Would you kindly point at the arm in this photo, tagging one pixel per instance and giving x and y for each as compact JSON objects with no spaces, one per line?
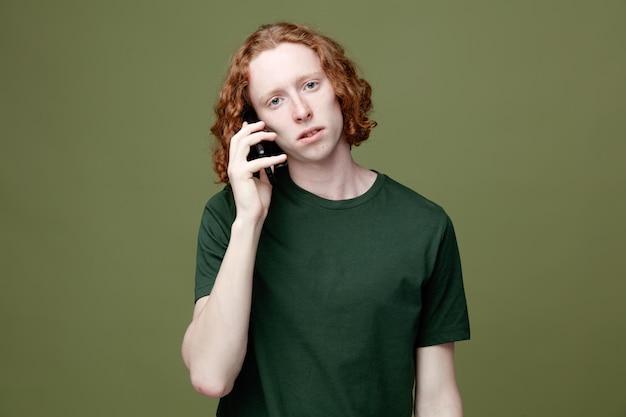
{"x":215,"y":343}
{"x":436,"y":391}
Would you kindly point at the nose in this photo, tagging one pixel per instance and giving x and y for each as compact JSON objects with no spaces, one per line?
{"x":302,"y":112}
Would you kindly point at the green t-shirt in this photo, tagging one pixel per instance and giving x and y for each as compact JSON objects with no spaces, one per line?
{"x":343,"y":293}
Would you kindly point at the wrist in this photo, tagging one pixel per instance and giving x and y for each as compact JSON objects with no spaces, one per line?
{"x":245,"y":224}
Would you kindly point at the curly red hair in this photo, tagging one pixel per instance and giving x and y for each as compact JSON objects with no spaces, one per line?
{"x":352,"y":91}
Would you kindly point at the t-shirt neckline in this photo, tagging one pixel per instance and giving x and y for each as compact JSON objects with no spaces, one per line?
{"x":292,"y":190}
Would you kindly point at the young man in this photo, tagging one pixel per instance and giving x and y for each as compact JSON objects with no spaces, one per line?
{"x":337,"y":291}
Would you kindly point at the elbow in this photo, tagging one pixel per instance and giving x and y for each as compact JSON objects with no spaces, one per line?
{"x":212,"y":375}
{"x":211,"y":387}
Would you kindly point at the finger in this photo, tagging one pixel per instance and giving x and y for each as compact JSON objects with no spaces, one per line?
{"x":241,"y":142}
{"x":248,"y":128}
{"x":260,"y":164}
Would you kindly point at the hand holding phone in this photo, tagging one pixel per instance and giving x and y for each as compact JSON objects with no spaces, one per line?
{"x":263,"y":148}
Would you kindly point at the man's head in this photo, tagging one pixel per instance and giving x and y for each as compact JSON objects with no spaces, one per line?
{"x":352,"y":92}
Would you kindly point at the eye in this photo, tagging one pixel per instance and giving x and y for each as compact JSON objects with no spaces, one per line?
{"x":311,"y":85}
{"x":274,"y":102}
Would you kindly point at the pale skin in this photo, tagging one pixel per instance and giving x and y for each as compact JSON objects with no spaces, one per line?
{"x":295,"y":100}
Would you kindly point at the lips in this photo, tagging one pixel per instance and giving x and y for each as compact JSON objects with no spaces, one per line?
{"x":309,"y":133}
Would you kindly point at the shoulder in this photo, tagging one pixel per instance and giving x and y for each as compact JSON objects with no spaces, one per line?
{"x":220,"y":207}
{"x":413,"y":204}
{"x":221,"y":200}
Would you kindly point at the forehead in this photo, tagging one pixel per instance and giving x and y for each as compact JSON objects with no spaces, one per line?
{"x":282,"y":64}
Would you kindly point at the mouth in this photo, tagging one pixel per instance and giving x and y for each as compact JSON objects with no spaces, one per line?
{"x":309,"y":133}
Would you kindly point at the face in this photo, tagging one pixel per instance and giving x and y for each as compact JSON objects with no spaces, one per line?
{"x":291,"y":94}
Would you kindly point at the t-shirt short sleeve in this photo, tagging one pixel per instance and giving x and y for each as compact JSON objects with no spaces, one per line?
{"x":444,"y":316}
{"x":213,"y":237}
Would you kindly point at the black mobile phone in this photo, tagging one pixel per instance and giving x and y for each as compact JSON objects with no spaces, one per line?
{"x":262,"y":149}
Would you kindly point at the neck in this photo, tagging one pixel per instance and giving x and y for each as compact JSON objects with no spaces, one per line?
{"x":339,"y":179}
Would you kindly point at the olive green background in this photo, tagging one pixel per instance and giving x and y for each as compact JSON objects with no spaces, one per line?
{"x":510,"y":114}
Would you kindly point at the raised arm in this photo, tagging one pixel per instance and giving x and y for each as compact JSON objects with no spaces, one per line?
{"x":436,"y":391}
{"x":214,"y":345}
